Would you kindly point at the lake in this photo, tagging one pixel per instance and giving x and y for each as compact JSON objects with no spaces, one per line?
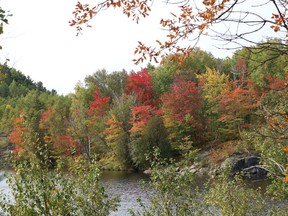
{"x":128,"y":186}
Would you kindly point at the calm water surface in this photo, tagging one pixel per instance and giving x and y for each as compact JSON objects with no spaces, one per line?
{"x":128,"y":186}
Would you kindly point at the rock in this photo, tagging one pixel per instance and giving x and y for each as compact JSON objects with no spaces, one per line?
{"x":250,"y":167}
{"x":147,"y":172}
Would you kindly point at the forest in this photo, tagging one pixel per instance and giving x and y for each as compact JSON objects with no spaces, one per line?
{"x":227,"y":105}
{"x":223,"y":106}
{"x":191,"y":108}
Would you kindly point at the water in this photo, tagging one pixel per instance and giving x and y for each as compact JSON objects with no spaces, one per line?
{"x":128,"y":186}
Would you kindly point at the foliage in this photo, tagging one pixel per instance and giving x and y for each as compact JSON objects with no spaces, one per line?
{"x":117,"y":140}
{"x":109,"y":84}
{"x":173,"y":193}
{"x":38,"y":191}
{"x":213,"y":84}
{"x":263,"y":60}
{"x":236,"y":105}
{"x":232,"y":197}
{"x":117,"y":131}
{"x":78,"y":122}
{"x":222,"y":152}
{"x":140,"y":84}
{"x":270,"y":139}
{"x":186,"y":117}
{"x":145,"y":135}
{"x":55,"y":123}
{"x":172,"y":69}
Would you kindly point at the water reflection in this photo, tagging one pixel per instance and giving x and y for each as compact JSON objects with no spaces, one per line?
{"x":128,"y":186}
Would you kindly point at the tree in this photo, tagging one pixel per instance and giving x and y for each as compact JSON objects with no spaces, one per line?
{"x":172,"y":68}
{"x":237,"y":103}
{"x":213,"y":83}
{"x":187,"y":114}
{"x":270,"y":137}
{"x":117,"y":140}
{"x":140,"y":84}
{"x":78,"y":122}
{"x":110,"y":84}
{"x":262,"y":60}
{"x":223,"y":19}
{"x":27,"y":134}
{"x":55,"y":123}
{"x":17,"y":135}
{"x":118,"y":130}
{"x":148,"y":131}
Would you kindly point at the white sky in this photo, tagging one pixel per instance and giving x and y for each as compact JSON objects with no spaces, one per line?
{"x":40,"y":43}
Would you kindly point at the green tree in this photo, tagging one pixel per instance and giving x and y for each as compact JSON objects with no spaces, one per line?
{"x":268,"y":58}
{"x":78,"y":124}
{"x":148,"y":131}
{"x":4,"y":89}
{"x":110,"y":84}
{"x":118,"y":130}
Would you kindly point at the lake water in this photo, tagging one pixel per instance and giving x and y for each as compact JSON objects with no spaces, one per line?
{"x":128,"y":186}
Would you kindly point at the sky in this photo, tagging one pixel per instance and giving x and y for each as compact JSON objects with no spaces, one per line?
{"x":40,"y":43}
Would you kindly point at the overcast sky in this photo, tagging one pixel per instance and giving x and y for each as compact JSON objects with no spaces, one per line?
{"x":40,"y":43}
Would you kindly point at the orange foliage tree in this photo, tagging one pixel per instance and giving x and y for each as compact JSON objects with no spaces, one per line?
{"x":236,"y":104}
{"x":17,"y":135}
{"x":57,"y":133}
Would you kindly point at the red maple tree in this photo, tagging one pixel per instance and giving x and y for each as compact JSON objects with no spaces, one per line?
{"x":140,"y":84}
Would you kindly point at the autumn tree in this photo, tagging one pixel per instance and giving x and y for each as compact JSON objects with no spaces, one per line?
{"x":147,"y":132}
{"x":140,"y":85}
{"x":55,"y":123}
{"x":17,"y":135}
{"x":118,"y":131}
{"x":78,"y":122}
{"x":213,"y":83}
{"x":182,"y":107}
{"x":270,"y":137}
{"x":234,"y":22}
{"x":236,"y":104}
{"x":172,"y":68}
{"x":96,"y":121}
{"x":262,"y":60}
{"x":31,"y":137}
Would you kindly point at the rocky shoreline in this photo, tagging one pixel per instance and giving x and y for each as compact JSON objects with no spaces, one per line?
{"x":249,"y":166}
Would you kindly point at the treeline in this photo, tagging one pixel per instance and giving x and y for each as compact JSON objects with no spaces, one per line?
{"x":179,"y":106}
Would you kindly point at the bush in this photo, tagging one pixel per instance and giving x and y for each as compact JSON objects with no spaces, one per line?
{"x":38,"y":191}
{"x":174,"y":193}
{"x":228,"y":197}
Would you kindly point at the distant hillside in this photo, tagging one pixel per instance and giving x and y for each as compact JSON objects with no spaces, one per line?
{"x":13,"y":83}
